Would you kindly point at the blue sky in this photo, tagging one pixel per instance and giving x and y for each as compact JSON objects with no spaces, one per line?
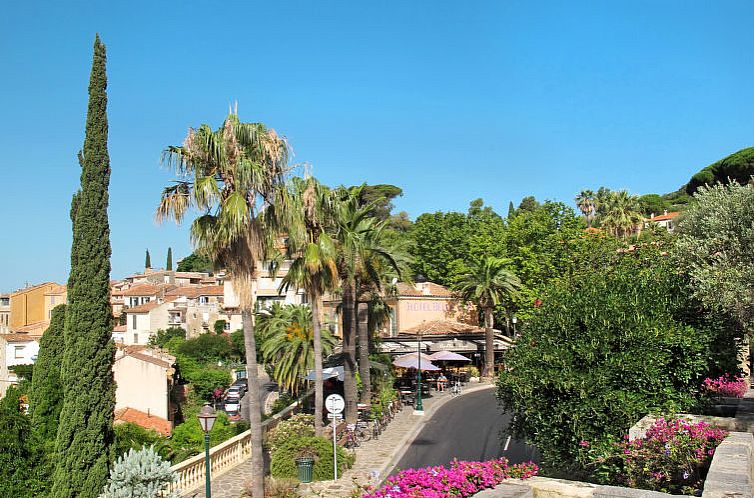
{"x":449,"y":100}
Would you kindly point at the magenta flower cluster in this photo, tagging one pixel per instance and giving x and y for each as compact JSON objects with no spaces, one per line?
{"x":461,"y":479}
{"x":726,"y":386}
{"x":672,"y":457}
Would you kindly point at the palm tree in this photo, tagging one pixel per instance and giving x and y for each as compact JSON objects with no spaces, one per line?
{"x":380,"y":260}
{"x":621,"y":214}
{"x":586,"y":203}
{"x":235,"y":176}
{"x":313,"y":269}
{"x":487,"y":284}
{"x":286,"y":341}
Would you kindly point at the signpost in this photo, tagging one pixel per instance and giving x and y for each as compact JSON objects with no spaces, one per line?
{"x":334,"y":405}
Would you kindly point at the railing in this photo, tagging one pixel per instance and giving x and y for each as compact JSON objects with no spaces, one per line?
{"x":223,"y":457}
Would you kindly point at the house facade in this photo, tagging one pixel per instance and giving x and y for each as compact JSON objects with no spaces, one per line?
{"x":144,"y":379}
{"x":665,"y":220}
{"x":4,"y":313}
{"x":31,"y":305}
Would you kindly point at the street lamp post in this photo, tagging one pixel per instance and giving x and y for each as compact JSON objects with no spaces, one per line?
{"x":514,"y":325}
{"x":419,"y":408}
{"x":207,"y":417}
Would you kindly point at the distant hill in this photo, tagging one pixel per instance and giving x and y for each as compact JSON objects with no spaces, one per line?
{"x":738,"y":167}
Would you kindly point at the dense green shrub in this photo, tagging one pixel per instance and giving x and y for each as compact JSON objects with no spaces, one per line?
{"x":607,"y":346}
{"x":206,"y":348}
{"x":131,"y":436}
{"x":188,"y":438}
{"x":299,"y":425}
{"x":283,"y":464}
{"x":161,"y":338}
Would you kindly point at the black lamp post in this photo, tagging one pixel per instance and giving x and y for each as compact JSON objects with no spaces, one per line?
{"x":419,"y":406}
{"x":207,"y":417}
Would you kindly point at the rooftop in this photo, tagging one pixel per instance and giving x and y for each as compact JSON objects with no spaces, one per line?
{"x":423,"y":289}
{"x":443,"y":327}
{"x":144,"y":420}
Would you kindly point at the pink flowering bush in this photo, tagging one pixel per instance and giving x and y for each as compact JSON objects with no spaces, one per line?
{"x":461,"y":479}
{"x":673,"y":457}
{"x":726,"y":386}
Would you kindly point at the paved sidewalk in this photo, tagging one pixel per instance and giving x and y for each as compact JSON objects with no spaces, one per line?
{"x":374,"y":459}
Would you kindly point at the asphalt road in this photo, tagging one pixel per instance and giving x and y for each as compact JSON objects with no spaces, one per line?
{"x":467,"y":428}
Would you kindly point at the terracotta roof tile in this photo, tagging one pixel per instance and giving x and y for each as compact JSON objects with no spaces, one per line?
{"x":193,"y":292}
{"x":443,"y":327}
{"x":145,"y":420}
{"x":36,"y":328}
{"x":148,"y":289}
{"x":417,"y":290}
{"x":147,"y":307}
{"x":27,"y":289}
{"x":666,"y":216}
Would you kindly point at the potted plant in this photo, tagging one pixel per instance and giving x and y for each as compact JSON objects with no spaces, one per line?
{"x":305,"y":457}
{"x":473,"y":373}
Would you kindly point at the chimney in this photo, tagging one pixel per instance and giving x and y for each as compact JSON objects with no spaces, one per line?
{"x":666,"y":212}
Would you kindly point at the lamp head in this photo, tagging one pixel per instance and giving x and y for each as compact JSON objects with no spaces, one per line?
{"x":207,"y":417}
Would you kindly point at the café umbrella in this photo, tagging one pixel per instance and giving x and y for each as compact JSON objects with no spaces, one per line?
{"x":447,"y":356}
{"x":412,"y":361}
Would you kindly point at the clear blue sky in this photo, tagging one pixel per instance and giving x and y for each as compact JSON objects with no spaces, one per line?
{"x":449,"y":100}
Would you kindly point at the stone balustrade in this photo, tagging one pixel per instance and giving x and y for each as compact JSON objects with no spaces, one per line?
{"x":223,"y":457}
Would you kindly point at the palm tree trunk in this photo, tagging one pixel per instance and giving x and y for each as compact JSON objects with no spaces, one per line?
{"x":363,"y":334}
{"x":319,"y":391}
{"x":255,"y":408}
{"x":489,"y":345}
{"x":349,"y":354}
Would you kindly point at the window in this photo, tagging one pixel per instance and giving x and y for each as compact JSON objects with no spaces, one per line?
{"x":18,"y":352}
{"x":52,"y":300}
{"x":203,"y":300}
{"x":136,"y":338}
{"x":133,"y":322}
{"x":227,"y":325}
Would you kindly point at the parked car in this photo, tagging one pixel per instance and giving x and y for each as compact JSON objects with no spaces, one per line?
{"x":242,"y":383}
{"x":233,"y":409}
{"x":235,"y":391}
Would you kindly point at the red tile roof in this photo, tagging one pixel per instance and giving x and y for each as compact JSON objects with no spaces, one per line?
{"x":443,"y":327}
{"x":192,"y":292}
{"x":147,"y":355}
{"x":666,"y":216}
{"x":148,"y":421}
{"x":21,"y":337}
{"x":147,"y":307}
{"x":147,"y":289}
{"x":432,"y":289}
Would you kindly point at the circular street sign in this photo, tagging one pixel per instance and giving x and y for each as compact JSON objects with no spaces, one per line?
{"x":335,"y":403}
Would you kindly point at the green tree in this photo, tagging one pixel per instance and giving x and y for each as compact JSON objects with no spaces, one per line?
{"x":85,"y":432}
{"x":587,"y":205}
{"x":169,"y":262}
{"x":219,"y":326}
{"x":487,"y":285}
{"x":46,"y":397}
{"x":235,"y":176}
{"x":206,"y":348}
{"x":18,"y":460}
{"x":609,"y":344}
{"x":378,"y":198}
{"x":650,"y":204}
{"x":161,"y":338}
{"x":528,"y":203}
{"x":147,"y":260}
{"x":286,"y":342}
{"x":511,"y":210}
{"x":715,"y":246}
{"x":314,"y":269}
{"x":195,"y":262}
{"x":737,"y":167}
{"x":619,"y":214}
{"x":539,"y":243}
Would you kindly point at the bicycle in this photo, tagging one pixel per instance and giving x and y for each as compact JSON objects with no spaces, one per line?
{"x":455,"y":390}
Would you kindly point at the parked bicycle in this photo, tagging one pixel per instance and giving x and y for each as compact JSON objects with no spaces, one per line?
{"x":455,"y":390}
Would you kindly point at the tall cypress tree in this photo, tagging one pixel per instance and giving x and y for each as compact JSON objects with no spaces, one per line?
{"x":85,"y":432}
{"x":169,"y":264}
{"x":148,"y":260}
{"x":46,"y":396}
{"x":511,"y":210}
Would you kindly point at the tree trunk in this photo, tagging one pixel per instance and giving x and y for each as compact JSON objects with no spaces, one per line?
{"x":363,"y":333}
{"x":255,"y":408}
{"x":489,"y":345}
{"x":349,"y":354}
{"x":319,"y":392}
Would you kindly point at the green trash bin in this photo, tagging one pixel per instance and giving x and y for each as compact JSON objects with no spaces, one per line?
{"x":305,"y":466}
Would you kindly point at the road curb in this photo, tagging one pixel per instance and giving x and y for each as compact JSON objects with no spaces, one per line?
{"x":409,"y":438}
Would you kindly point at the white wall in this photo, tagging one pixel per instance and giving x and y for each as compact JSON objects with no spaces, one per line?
{"x":21,"y":353}
{"x":141,"y":385}
{"x":4,"y":382}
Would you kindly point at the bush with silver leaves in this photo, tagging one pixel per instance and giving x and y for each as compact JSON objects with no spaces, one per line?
{"x":140,"y":474}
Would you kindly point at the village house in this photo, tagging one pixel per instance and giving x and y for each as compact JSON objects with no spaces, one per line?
{"x":665,"y":220}
{"x":144,"y":379}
